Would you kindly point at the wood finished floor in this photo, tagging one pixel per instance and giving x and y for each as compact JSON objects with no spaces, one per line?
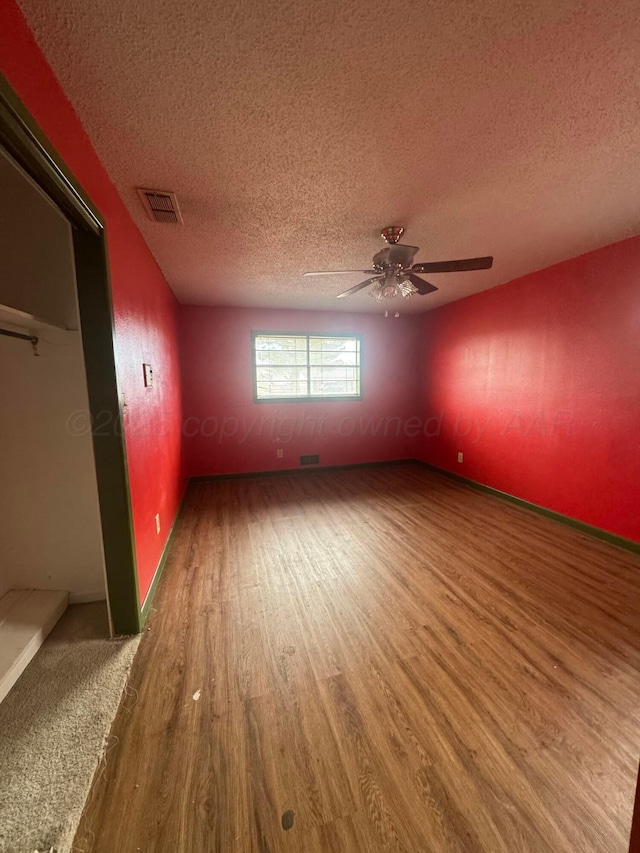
{"x":403,"y":662}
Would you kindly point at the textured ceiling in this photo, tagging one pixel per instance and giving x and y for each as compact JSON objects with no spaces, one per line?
{"x":293,"y":130}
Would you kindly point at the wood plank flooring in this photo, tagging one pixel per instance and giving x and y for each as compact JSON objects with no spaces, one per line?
{"x":402,"y":662}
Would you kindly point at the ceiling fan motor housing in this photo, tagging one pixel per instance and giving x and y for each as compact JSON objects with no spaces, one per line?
{"x":395,"y":256}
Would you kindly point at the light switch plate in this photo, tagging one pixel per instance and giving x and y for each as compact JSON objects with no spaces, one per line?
{"x":148,"y":375}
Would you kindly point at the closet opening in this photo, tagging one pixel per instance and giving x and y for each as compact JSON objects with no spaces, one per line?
{"x":65,"y":516}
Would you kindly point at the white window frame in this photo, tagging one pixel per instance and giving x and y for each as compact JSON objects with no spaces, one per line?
{"x":308,"y":397}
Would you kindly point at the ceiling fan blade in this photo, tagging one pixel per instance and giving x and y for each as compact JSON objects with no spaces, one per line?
{"x":340,"y":272}
{"x":423,"y":287}
{"x":358,"y":287}
{"x":462,"y":265}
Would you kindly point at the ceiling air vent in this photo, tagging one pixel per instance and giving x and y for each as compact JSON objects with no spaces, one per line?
{"x":161,"y":206}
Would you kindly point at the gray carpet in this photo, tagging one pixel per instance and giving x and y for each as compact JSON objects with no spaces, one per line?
{"x":53,"y":729}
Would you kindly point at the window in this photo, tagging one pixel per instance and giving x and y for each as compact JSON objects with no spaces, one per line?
{"x":306,"y":367}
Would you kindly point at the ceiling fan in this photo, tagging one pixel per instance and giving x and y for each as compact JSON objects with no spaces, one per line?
{"x":393,"y":272}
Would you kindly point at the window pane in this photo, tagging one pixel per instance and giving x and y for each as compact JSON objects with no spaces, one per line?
{"x":286,"y":389}
{"x":280,"y":343}
{"x":333,"y":358}
{"x":279,"y":374}
{"x":286,"y":357}
{"x":282,"y":389}
{"x":319,"y":373}
{"x":333,"y":344}
{"x":334,"y":373}
{"x":334,"y":389}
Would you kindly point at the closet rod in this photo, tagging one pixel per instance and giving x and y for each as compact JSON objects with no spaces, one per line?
{"x":31,"y":338}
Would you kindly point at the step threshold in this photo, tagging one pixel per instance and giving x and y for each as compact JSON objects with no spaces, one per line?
{"x":26,"y":618}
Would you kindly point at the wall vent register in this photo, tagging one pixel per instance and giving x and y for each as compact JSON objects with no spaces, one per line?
{"x":310,"y":460}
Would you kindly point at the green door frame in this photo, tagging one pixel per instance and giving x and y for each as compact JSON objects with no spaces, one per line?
{"x":27,"y":144}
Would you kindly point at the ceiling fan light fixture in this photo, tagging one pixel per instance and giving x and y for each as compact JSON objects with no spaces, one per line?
{"x":383,"y":290}
{"x":406,"y":288}
{"x":390,"y":290}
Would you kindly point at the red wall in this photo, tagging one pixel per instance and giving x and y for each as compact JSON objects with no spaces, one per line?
{"x":226,"y":432}
{"x":145,"y":309}
{"x":634,"y":843}
{"x":537,"y":383}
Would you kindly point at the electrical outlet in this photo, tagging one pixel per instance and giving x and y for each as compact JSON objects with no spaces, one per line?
{"x":158,"y":523}
{"x":147,"y":372}
{"x":279,"y":453}
{"x":460,"y":456}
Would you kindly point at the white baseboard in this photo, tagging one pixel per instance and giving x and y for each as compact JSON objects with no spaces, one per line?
{"x":86,"y":597}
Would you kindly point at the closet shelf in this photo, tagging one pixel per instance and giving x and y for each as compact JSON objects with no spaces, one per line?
{"x":24,"y":320}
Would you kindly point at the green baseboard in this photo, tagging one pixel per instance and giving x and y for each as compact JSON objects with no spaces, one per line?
{"x":157,"y":575}
{"x":583,"y":527}
{"x":307,"y":469}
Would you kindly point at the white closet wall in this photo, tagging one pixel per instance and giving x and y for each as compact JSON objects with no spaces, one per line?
{"x":49,"y":522}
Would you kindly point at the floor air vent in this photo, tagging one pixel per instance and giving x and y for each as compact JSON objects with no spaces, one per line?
{"x":310,"y":460}
{"x":161,"y":206}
